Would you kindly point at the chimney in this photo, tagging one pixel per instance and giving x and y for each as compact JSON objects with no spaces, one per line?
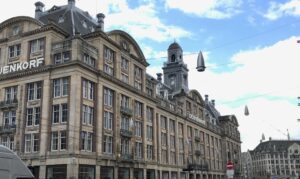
{"x":213,"y":102}
{"x":100,"y":20}
{"x":270,"y":138}
{"x":38,"y":9}
{"x":159,"y":76}
{"x":206,"y":97}
{"x":71,"y":2}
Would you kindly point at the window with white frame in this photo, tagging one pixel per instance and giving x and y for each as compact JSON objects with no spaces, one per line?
{"x":87,"y":115}
{"x":88,"y":59}
{"x":125,"y":146}
{"x":107,"y":144}
{"x":88,"y":89}
{"x":172,"y":157}
{"x":172,"y":142}
{"x":149,"y":112}
{"x":108,"y":120}
{"x":138,"y":109}
{"x":138,"y":76}
{"x":32,"y":143}
{"x":181,"y":159}
{"x":9,"y":118}
{"x":8,"y":141}
{"x":150,"y":152}
{"x":108,"y":97}
{"x":14,"y":51}
{"x":62,"y":57}
{"x":59,"y":113}
{"x":149,"y":133}
{"x":11,"y":93}
{"x":181,"y":143}
{"x":124,"y":78}
{"x":124,"y":64}
{"x":60,"y":87}
{"x":109,"y":59}
{"x":138,"y":128}
{"x":172,"y":126}
{"x":125,"y":122}
{"x":138,"y":150}
{"x":86,"y":141}
{"x":33,"y":116}
{"x":58,"y":141}
{"x":37,"y":45}
{"x":34,"y":91}
{"x":164,"y":156}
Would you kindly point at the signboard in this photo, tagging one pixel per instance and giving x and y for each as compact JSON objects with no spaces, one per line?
{"x":21,"y":66}
{"x":229,"y":165}
{"x":195,"y":118}
{"x":230,"y":169}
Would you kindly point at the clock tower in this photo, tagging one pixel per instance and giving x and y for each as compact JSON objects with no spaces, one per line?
{"x":175,"y":71}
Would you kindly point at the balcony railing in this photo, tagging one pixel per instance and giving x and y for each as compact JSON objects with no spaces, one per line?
{"x":127,"y":157}
{"x":195,"y":167}
{"x":7,"y":129}
{"x":9,"y":103}
{"x":126,"y":110}
{"x":197,"y":138}
{"x":197,"y":152}
{"x":126,"y":133}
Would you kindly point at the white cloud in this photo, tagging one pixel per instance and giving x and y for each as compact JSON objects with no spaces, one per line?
{"x":214,"y":9}
{"x":270,"y":74}
{"x":278,"y":10}
{"x":141,"y":22}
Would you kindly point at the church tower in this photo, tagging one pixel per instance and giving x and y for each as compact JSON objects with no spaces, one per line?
{"x":175,"y":70}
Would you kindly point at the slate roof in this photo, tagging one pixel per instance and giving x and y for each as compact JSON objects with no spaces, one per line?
{"x":275,"y":146}
{"x":70,"y":18}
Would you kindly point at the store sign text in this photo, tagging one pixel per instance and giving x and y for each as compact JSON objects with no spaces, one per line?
{"x":21,"y":66}
{"x":195,"y":118}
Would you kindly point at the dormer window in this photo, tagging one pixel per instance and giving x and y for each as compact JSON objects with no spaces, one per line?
{"x":173,"y":58}
{"x":84,"y":24}
{"x":15,"y":30}
{"x":61,"y":19}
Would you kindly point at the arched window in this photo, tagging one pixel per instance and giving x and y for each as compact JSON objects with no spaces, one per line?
{"x":173,"y":58}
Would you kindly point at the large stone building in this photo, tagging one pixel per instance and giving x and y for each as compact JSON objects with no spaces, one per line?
{"x":77,"y":103}
{"x":274,"y":159}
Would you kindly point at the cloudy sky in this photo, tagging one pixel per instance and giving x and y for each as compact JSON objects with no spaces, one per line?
{"x":250,"y":49}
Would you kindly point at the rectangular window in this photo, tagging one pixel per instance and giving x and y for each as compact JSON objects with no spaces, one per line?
{"x":59,"y":113}
{"x":8,"y":141}
{"x":86,"y":141}
{"x":180,"y":129}
{"x":149,"y":114}
{"x":32,"y":143}
{"x":37,"y":45}
{"x":87,"y":172}
{"x":138,"y":128}
{"x":34,"y":91}
{"x":58,"y":141}
{"x":11,"y":93}
{"x":62,"y":57}
{"x":88,"y":89}
{"x":164,"y":139}
{"x":163,"y":122}
{"x":181,"y":143}
{"x":138,"y":150}
{"x":33,"y":116}
{"x":172,"y":142}
{"x":108,"y":120}
{"x":149,"y":152}
{"x":109,"y":60}
{"x":181,"y":159}
{"x":125,"y":122}
{"x":164,"y":156}
{"x":172,"y":126}
{"x":108,"y":97}
{"x":125,"y":146}
{"x":9,"y":118}
{"x":87,"y":115}
{"x":125,"y":101}
{"x":149,"y":133}
{"x":172,"y":158}
{"x":89,"y":60}
{"x":60,"y":87}
{"x":138,"y":109}
{"x":138,"y":76}
{"x":14,"y":50}
{"x":124,"y":64}
{"x":124,"y":78}
{"x":107,"y":144}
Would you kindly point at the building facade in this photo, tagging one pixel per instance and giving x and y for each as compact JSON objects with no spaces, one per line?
{"x":276,"y":159}
{"x":76,"y":102}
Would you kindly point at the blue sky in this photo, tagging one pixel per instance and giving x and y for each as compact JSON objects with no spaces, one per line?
{"x":250,"y":49}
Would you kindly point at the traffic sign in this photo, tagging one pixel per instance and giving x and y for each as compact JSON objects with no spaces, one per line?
{"x":229,"y":165}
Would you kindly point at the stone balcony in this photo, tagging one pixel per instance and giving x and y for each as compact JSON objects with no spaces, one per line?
{"x":9,"y":104}
{"x":126,"y":133}
{"x":197,"y":152}
{"x":126,"y":110}
{"x":8,"y":129}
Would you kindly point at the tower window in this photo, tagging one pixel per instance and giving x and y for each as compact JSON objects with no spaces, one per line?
{"x":173,"y":59}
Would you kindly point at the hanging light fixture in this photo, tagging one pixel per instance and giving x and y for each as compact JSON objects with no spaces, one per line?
{"x":246,"y":112}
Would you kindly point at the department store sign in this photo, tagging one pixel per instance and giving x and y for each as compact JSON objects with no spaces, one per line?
{"x":34,"y":63}
{"x":195,"y":118}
